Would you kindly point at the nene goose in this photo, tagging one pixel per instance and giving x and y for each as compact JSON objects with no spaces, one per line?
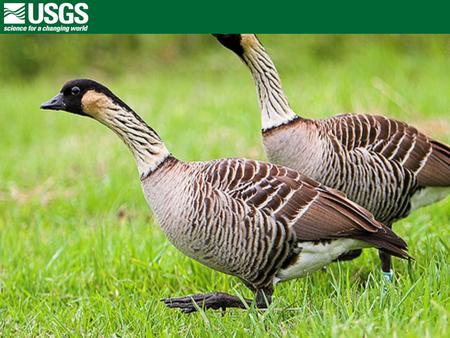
{"x":386,"y":166}
{"x":261,"y":222}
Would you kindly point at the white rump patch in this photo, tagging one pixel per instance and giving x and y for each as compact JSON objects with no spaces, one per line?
{"x":315,"y":256}
{"x":428,"y":196}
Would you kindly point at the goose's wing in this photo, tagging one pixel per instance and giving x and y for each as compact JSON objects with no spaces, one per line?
{"x":311,"y":210}
{"x":396,"y":141}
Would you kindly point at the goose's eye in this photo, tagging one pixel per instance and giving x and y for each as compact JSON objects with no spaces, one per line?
{"x":75,"y":90}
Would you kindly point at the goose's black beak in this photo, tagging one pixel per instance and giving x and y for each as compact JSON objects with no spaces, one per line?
{"x":56,"y":103}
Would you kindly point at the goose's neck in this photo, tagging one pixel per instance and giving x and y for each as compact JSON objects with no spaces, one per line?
{"x":275,"y":109}
{"x":145,"y":144}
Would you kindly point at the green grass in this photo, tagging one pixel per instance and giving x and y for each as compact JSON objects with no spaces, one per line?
{"x":80,"y":253}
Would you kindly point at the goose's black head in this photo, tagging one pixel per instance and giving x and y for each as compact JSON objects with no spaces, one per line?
{"x":84,"y":97}
{"x":238,"y":43}
{"x":231,"y":41}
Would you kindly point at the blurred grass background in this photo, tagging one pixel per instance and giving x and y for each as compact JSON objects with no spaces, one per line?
{"x":79,"y":251}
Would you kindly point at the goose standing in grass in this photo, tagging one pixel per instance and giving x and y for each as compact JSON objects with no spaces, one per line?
{"x":258,"y":221}
{"x":386,"y":166}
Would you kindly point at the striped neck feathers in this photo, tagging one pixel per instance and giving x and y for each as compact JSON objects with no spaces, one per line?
{"x":145,"y":144}
{"x":275,"y":109}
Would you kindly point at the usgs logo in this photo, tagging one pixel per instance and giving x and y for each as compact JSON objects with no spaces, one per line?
{"x":45,"y":13}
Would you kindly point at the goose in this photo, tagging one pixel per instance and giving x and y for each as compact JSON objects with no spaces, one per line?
{"x":384,"y":165}
{"x":261,"y":222}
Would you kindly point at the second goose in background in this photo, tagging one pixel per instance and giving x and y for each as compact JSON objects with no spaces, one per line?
{"x":260,"y":222}
{"x":386,"y":166}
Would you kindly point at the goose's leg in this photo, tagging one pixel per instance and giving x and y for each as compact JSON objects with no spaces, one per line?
{"x":386,"y":266}
{"x":264,"y":298}
{"x":216,"y":300}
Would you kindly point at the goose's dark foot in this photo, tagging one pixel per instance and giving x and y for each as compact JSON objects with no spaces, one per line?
{"x":213,"y":300}
{"x":349,"y":255}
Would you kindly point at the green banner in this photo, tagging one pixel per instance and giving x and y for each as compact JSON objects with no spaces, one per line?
{"x":125,"y":17}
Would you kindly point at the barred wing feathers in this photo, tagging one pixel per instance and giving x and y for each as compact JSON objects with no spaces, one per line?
{"x":396,"y":141}
{"x":311,"y":210}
